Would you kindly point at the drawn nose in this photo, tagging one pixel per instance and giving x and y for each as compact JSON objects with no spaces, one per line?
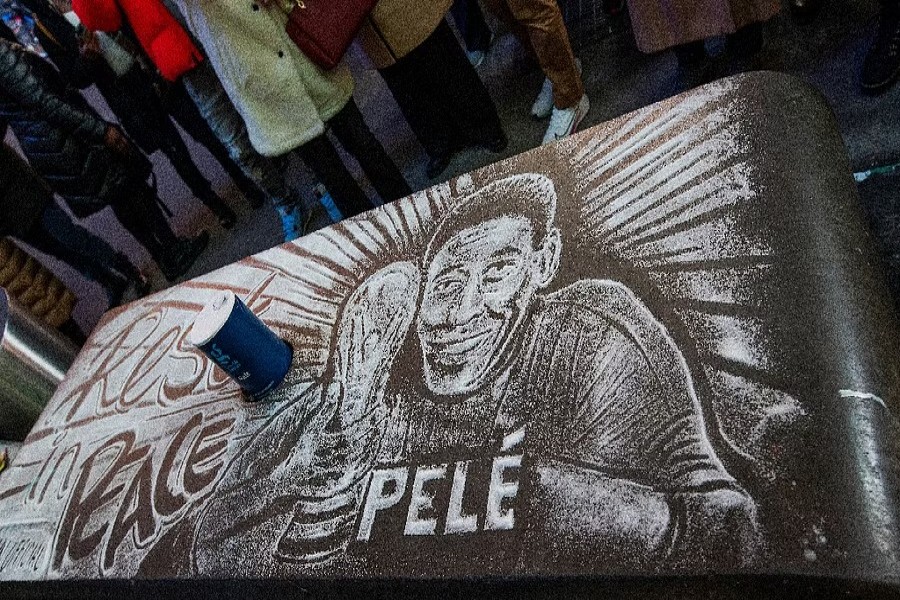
{"x":470,"y":304}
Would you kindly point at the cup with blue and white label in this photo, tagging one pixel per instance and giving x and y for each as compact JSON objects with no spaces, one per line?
{"x":242,"y":345}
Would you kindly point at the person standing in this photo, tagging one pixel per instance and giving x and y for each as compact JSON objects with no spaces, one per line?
{"x":540,"y":27}
{"x":435,"y":85}
{"x":85,"y":59}
{"x":61,"y":40}
{"x":287,"y":102}
{"x":133,"y":98}
{"x":881,"y":67}
{"x":474,"y":30}
{"x":299,"y":214}
{"x":29,"y":212}
{"x":683,"y":25}
{"x":87,"y":161}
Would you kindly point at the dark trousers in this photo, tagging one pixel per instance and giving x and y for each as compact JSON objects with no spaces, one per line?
{"x":134,"y":101}
{"x":471,"y":24}
{"x":137,"y":209}
{"x":442,"y":97}
{"x":357,"y":139}
{"x":185,"y":112}
{"x":56,"y":234}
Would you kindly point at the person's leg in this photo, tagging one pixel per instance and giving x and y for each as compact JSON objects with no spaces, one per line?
{"x":356,"y":137}
{"x":694,"y":66}
{"x":470,"y":109}
{"x":173,"y":146}
{"x":500,"y":9}
{"x":422,"y":109}
{"x":746,"y":41}
{"x":57,"y":235}
{"x":182,"y":108}
{"x":320,"y":156}
{"x":139,"y":212}
{"x":300,"y":214}
{"x":471,"y":24}
{"x":158,"y":127}
{"x":213,"y":103}
{"x":61,"y":225}
{"x":549,"y":38}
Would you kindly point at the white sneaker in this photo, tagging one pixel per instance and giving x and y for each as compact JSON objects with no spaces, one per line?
{"x":564,"y":122}
{"x":543,"y":104}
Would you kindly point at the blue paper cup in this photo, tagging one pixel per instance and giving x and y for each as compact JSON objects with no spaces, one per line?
{"x":241,"y":345}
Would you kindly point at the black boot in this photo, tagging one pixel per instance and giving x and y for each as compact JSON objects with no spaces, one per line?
{"x":134,"y":275}
{"x":183,"y":255}
{"x":73,"y":331}
{"x":437,"y":165}
{"x":145,"y":221}
{"x":114,"y":284}
{"x":497,"y":144}
{"x":882,"y":64}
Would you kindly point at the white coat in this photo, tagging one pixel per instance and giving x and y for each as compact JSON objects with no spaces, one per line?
{"x":282,"y":96}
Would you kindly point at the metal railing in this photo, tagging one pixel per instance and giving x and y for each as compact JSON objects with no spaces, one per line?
{"x":33,"y":361}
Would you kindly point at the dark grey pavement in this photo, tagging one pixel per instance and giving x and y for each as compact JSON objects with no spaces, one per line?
{"x":827,"y":53}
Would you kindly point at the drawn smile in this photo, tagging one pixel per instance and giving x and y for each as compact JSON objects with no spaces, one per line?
{"x":457,"y":343}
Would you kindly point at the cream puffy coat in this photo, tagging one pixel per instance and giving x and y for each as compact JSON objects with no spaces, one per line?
{"x":282,"y":96}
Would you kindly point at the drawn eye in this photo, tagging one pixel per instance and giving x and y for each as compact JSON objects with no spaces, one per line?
{"x":499,"y":270}
{"x":446,"y":285}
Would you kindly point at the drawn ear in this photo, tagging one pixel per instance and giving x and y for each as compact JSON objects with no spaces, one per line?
{"x":548,"y":257}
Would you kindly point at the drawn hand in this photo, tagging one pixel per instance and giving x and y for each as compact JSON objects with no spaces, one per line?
{"x":376,"y":320}
{"x":339,"y":442}
{"x":328,"y":471}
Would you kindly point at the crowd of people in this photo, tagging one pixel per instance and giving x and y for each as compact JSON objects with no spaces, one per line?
{"x":228,"y":73}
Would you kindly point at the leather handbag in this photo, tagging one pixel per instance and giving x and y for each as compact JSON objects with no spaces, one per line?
{"x":324,"y":29}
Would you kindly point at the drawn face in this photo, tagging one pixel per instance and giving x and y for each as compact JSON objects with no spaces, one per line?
{"x":480,"y":285}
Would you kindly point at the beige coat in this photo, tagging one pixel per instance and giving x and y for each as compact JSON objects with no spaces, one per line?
{"x":283,"y":97}
{"x":661,"y":24}
{"x":397,"y":27}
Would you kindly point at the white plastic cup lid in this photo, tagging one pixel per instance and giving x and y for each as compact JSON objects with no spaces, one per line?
{"x":211,"y":319}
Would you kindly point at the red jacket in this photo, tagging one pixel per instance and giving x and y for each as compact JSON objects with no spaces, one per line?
{"x":164,"y":39}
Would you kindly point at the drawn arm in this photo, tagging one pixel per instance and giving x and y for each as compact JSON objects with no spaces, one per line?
{"x":586,"y":515}
{"x":299,"y":500}
{"x":631,"y":469}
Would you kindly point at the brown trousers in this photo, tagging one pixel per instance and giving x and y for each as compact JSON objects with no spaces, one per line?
{"x":539,"y":25}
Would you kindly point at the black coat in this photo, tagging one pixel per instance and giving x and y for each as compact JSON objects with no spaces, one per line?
{"x":23,"y":196}
{"x":60,"y":134}
{"x":61,"y":43}
{"x":132,"y":97}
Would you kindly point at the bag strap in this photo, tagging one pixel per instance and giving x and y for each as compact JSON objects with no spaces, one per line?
{"x":288,"y":6}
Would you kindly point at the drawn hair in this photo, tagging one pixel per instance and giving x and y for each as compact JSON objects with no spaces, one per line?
{"x":531,"y":196}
